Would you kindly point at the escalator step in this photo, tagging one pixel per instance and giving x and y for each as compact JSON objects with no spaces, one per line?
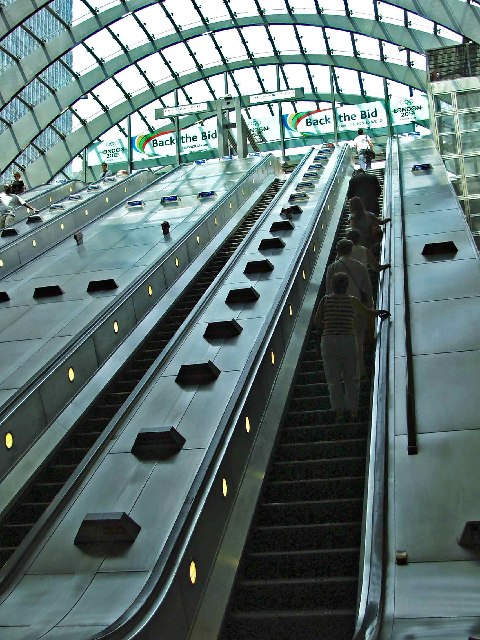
{"x":296,"y":593}
{"x":321,"y":450}
{"x":315,"y":433}
{"x":305,"y":469}
{"x":315,"y":624}
{"x":313,"y":563}
{"x":314,"y":489}
{"x":310,"y":512}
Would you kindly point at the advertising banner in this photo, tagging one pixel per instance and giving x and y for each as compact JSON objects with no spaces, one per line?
{"x":406,"y":110}
{"x":368,"y":115}
{"x":113,"y":150}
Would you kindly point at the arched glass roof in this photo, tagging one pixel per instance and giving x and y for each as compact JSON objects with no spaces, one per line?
{"x":72,"y":69}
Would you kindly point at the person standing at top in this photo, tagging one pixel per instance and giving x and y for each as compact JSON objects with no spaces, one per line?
{"x":366,"y":187}
{"x":18,"y":186}
{"x":7,"y":202}
{"x":362,"y":143}
{"x":106,"y":173}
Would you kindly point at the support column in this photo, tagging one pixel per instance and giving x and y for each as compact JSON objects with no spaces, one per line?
{"x":280,"y":119}
{"x":129,"y":145}
{"x":221,"y":131}
{"x":242,"y":140}
{"x":334,"y":111}
{"x":178,"y":139}
{"x":387,"y":108}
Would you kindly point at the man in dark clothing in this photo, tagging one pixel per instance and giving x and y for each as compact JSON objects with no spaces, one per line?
{"x":367,"y":187}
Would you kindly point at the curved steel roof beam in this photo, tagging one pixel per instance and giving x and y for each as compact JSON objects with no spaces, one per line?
{"x":16,"y":76}
{"x":457,"y":16}
{"x":63,"y":152}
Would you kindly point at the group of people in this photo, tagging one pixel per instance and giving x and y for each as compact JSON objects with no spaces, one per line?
{"x":10,"y":198}
{"x":344,"y":312}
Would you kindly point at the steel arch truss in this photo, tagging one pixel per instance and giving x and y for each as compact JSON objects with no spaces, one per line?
{"x":462,"y":18}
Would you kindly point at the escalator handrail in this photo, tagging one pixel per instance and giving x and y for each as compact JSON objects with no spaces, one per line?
{"x":124,"y":627}
{"x":372,"y":551}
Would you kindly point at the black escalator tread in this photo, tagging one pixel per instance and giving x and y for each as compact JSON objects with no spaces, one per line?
{"x":298,"y":576}
{"x":50,"y":480}
{"x":316,"y":624}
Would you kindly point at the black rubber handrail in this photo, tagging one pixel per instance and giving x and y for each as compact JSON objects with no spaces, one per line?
{"x":412,"y":445}
{"x":370,"y":605}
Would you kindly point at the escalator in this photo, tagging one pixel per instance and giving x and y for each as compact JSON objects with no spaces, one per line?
{"x":299,"y":573}
{"x":22,"y":516}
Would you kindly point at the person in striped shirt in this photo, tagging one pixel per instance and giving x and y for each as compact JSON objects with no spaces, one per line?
{"x":335,"y":317}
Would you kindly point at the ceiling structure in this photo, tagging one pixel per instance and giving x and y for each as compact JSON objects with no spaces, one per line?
{"x":122,"y":57}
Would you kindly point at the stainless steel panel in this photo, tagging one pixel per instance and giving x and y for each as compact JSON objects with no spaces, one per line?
{"x":57,"y":391}
{"x":425,"y":589}
{"x":438,"y":628}
{"x":429,"y":526}
{"x":156,"y":510}
{"x":171,"y":270}
{"x":461,"y":239}
{"x":452,"y":325}
{"x":106,"y":598}
{"x":71,"y":633}
{"x":114,"y":486}
{"x":441,"y":280}
{"x":42,"y":600}
{"x":445,"y":403}
{"x":25,"y":424}
{"x":418,"y":224}
{"x":36,"y":356}
{"x":106,"y":339}
{"x":200,"y":421}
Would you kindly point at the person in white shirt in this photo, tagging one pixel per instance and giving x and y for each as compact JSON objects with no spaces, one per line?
{"x":8,"y":201}
{"x":361,"y":143}
{"x":106,"y":173}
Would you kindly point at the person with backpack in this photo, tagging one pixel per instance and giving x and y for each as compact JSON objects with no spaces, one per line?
{"x":364,"y":147}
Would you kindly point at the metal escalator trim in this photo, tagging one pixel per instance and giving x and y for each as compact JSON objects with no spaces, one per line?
{"x":172,"y":555}
{"x":69,"y":484}
{"x":65,"y":214}
{"x":370,"y":605}
{"x":67,"y":351}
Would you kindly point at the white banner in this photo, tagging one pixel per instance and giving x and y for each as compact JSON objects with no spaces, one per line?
{"x":406,"y":110}
{"x":113,"y":150}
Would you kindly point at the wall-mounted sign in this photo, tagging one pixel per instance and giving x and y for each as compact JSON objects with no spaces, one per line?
{"x":405,"y":110}
{"x":182,"y":110}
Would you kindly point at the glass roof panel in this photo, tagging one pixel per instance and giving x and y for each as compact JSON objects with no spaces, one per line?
{"x":155,"y":68}
{"x":231,"y":44}
{"x":417,"y":22}
{"x":348,"y":81}
{"x":247,"y":80}
{"x":257,"y":40}
{"x":129,"y":31}
{"x":278,"y":6}
{"x":268,"y":73}
{"x":153,"y":17}
{"x":213,"y":9}
{"x":312,"y":39}
{"x":367,"y":47}
{"x":394,"y":53}
{"x":303,"y":6}
{"x":104,"y":45}
{"x":297,"y":76}
{"x":179,"y":58}
{"x":199,"y":92}
{"x":183,"y":13}
{"x":83,"y":60}
{"x":333,"y":6}
{"x":205,"y":51}
{"x":340,"y":41}
{"x":321,"y":78}
{"x":242,"y":7}
{"x":362,"y":10}
{"x":131,"y":80}
{"x":285,"y":39}
{"x":109,"y":92}
{"x":373,"y":85}
{"x":389,"y":13}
